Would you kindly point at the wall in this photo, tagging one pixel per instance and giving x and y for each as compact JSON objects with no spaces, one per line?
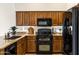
{"x":40,"y":6}
{"x":43,"y":6}
{"x":7,"y":17}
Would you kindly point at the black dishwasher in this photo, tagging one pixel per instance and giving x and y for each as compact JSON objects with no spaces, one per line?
{"x":11,"y":50}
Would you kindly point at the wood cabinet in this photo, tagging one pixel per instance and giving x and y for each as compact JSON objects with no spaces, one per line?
{"x":26,"y":18}
{"x":2,"y":52}
{"x":29,"y":18}
{"x":19,"y":18}
{"x":60,"y":18}
{"x":57,"y":44}
{"x":21,"y":46}
{"x":43,"y":14}
{"x":31,"y":44}
{"x":54,"y":16}
{"x":33,"y":18}
{"x":57,"y":18}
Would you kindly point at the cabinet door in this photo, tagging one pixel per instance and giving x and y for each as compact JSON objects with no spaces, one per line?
{"x":19,"y":18}
{"x":33,"y":18}
{"x":57,"y":44}
{"x":40,"y":14}
{"x":2,"y":51}
{"x":47,"y":14}
{"x":19,"y":50}
{"x":31,"y":44}
{"x":60,"y":18}
{"x":26,"y":18}
{"x":54,"y":16}
{"x":21,"y":46}
{"x":43,"y":14}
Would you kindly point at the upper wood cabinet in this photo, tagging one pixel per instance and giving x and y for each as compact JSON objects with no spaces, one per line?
{"x":19,"y":18}
{"x":29,"y":18}
{"x":43,"y":14}
{"x":57,"y":18}
{"x":26,"y":18}
{"x":33,"y":18}
{"x":54,"y":16}
{"x":60,"y":18}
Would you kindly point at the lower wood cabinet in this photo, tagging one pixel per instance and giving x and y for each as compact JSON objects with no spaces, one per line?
{"x":27,"y":45}
{"x":21,"y":46}
{"x":2,"y":52}
{"x":31,"y":44}
{"x":58,"y":44}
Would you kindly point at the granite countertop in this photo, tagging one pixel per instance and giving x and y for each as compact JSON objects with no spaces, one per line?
{"x":6,"y":42}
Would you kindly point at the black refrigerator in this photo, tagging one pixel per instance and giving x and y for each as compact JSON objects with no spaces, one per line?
{"x":75,"y":32}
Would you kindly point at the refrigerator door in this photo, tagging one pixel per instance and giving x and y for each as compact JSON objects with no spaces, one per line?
{"x":67,"y":37}
{"x":75,"y":32}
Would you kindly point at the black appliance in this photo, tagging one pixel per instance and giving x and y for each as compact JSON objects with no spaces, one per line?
{"x":44,"y":22}
{"x":11,"y":50}
{"x":67,"y":37}
{"x":75,"y":24}
{"x":44,"y":41}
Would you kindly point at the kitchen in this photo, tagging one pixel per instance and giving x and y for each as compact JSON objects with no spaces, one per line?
{"x":35,"y":30}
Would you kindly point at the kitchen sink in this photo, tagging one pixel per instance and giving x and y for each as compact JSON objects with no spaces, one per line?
{"x":14,"y":37}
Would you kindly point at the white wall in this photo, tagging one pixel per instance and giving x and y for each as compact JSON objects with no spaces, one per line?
{"x":7,"y":17}
{"x":43,"y":6}
{"x":40,"y":6}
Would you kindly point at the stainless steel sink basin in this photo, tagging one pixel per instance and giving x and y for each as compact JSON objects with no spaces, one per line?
{"x":14,"y":37}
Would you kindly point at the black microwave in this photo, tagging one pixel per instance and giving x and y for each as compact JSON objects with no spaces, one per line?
{"x":44,"y":22}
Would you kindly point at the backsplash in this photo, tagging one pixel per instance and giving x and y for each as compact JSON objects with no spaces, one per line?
{"x":55,"y":29}
{"x":25,"y":28}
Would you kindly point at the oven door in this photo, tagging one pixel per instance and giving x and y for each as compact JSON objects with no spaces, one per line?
{"x":44,"y":47}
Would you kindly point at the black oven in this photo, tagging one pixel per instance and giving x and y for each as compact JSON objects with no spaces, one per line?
{"x":44,"y":41}
{"x":44,"y":22}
